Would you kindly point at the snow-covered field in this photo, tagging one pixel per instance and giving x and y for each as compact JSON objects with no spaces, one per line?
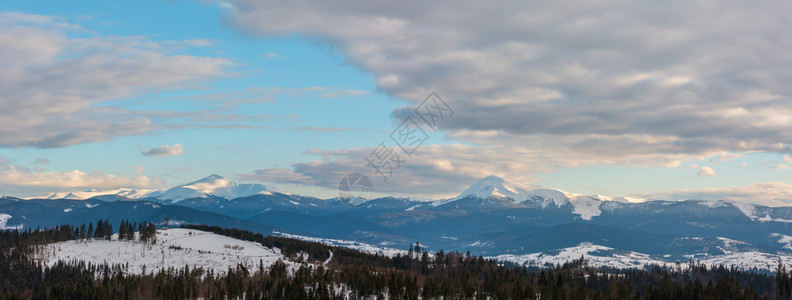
{"x":602,"y":256}
{"x":748,"y":260}
{"x":175,"y":247}
{"x":595,"y":256}
{"x":362,"y":247}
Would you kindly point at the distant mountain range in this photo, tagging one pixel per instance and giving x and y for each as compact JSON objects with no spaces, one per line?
{"x":213,"y":186}
{"x":493,"y":217}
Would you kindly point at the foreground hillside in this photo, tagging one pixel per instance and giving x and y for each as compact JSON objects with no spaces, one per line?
{"x":174,"y":248}
{"x":323,"y":272}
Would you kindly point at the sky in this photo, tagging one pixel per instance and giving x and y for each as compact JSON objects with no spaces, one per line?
{"x":674,"y":100}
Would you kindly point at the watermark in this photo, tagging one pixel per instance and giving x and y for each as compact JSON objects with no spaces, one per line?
{"x":355,"y":188}
{"x":385,"y":159}
{"x":434,"y":110}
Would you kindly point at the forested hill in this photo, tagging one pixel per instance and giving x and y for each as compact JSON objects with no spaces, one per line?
{"x":316,"y":271}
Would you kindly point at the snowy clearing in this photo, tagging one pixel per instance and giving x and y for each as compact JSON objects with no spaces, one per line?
{"x":362,"y":247}
{"x":602,"y":256}
{"x":174,"y":248}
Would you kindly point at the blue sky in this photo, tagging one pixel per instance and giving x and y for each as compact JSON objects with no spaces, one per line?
{"x":297,"y":95}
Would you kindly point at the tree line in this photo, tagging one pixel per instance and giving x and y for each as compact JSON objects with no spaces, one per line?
{"x":417,"y":274}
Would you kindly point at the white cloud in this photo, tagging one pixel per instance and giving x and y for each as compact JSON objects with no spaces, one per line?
{"x":271,"y":55}
{"x":165,"y":150}
{"x":707,"y":171}
{"x":53,"y":81}
{"x":693,"y":166}
{"x":41,"y":160}
{"x":23,"y":180}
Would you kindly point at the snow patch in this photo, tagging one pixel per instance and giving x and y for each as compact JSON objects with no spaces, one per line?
{"x":586,"y":207}
{"x":354,"y":245}
{"x":714,"y":204}
{"x":4,"y":222}
{"x":767,"y":218}
{"x":411,"y":208}
{"x":783,"y":239}
{"x":749,"y":210}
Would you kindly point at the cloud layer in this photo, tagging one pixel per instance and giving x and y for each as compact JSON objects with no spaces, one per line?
{"x":53,"y":82}
{"x":610,"y":78}
{"x":19,"y":179}
{"x":538,"y":85}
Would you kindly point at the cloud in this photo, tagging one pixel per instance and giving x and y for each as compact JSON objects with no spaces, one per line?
{"x":54,"y":83}
{"x":165,"y":150}
{"x":281,"y":175}
{"x":26,"y":181}
{"x":323,"y":129}
{"x":271,"y":55}
{"x":433,"y":171}
{"x":693,"y":166}
{"x":344,"y":93}
{"x":560,"y":77}
{"x":766,"y":193}
{"x":42,"y":161}
{"x":707,"y":171}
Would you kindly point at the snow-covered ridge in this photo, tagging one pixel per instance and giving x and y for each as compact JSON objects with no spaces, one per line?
{"x":174,"y":248}
{"x":82,"y":195}
{"x":211,"y":186}
{"x":602,"y":256}
{"x":496,"y":187}
{"x":595,"y":255}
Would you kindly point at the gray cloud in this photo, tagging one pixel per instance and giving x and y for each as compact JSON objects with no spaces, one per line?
{"x":435,"y":170}
{"x":165,"y":150}
{"x":52,"y":82}
{"x":689,"y":78}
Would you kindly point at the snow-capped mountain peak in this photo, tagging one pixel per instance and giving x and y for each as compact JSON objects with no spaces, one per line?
{"x":213,"y":186}
{"x":494,"y":186}
{"x":497,"y":187}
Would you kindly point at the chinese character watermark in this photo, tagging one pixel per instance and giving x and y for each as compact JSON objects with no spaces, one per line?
{"x":383,"y":160}
{"x":355,"y":188}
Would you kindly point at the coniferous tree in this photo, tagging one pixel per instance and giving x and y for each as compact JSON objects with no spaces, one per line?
{"x":90,"y":233}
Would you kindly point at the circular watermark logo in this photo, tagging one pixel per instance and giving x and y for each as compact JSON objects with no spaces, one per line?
{"x":355,"y":189}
